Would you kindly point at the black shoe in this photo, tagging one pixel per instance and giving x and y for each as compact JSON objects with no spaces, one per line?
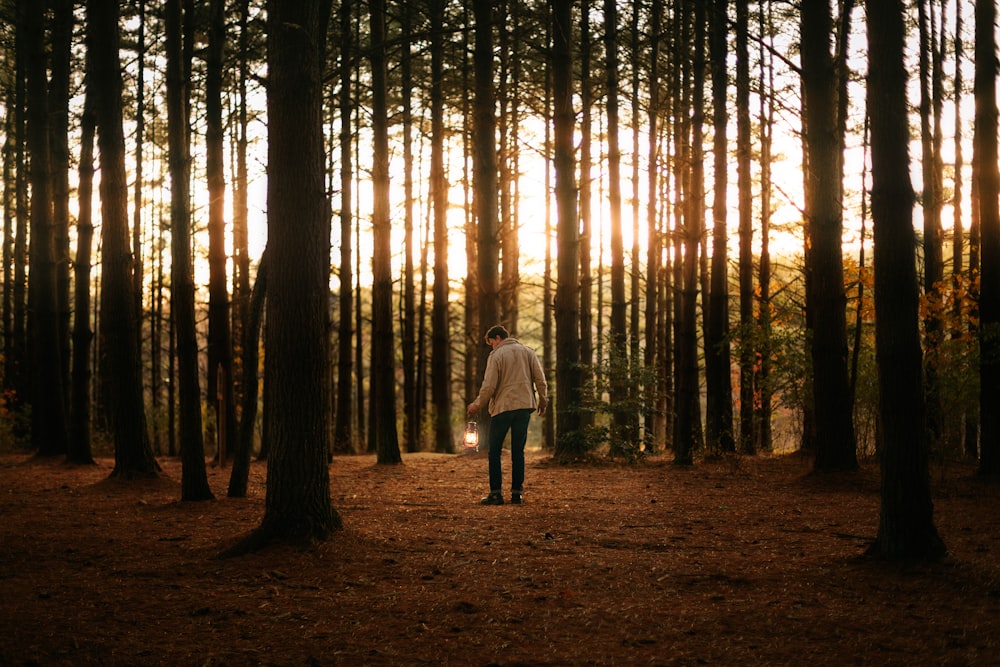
{"x":515,"y":499}
{"x":493,"y":499}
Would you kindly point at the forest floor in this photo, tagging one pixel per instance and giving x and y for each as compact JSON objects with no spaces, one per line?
{"x":737,"y":562}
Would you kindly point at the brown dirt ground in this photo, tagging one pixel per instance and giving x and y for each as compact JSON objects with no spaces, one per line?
{"x":746,"y":561}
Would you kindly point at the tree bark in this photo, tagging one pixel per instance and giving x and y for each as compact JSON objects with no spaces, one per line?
{"x":440,"y":317}
{"x":133,"y":452}
{"x":194,"y":481}
{"x":834,"y":428}
{"x":622,"y":429}
{"x":220,"y":350}
{"x":297,"y":506}
{"x":906,"y":526}
{"x":49,"y":427}
{"x":570,"y":440}
{"x":382,"y":434}
{"x":343,"y":442}
{"x":718,"y":363}
{"x":988,"y":178}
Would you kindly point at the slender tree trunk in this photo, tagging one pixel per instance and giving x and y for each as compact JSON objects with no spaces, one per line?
{"x":59,"y":91}
{"x":408,"y":324}
{"x":18,"y":364}
{"x":440,"y":318}
{"x":586,"y":216}
{"x":140,"y":135}
{"x":718,"y":364}
{"x":241,"y":210}
{"x":220,"y":351}
{"x":548,"y":324}
{"x":570,"y":441}
{"x":747,"y":337}
{"x":343,"y":443}
{"x":930,"y":141}
{"x":689,"y":436}
{"x":79,"y":449}
{"x":194,"y":481}
{"x":762,"y":380}
{"x":655,"y":433}
{"x":240,"y":473}
{"x":622,"y":433}
{"x":486,"y":184}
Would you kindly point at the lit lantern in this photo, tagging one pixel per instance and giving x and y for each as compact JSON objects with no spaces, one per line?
{"x":471,"y":436}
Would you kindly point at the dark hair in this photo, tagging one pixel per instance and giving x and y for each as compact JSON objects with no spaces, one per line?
{"x":497,"y":331}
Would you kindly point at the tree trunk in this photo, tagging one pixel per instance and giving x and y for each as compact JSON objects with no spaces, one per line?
{"x":586,"y":217}
{"x":297,"y":507}
{"x":931,"y":167}
{"x":485,"y":183}
{"x":343,"y":442}
{"x":194,"y":481}
{"x":382,"y":435}
{"x":570,"y":440}
{"x":441,"y":337}
{"x":718,"y":364}
{"x":655,"y":433}
{"x":985,"y":149}
{"x":622,"y":432}
{"x":220,"y":350}
{"x":762,"y":380}
{"x":408,"y":323}
{"x":133,"y":453}
{"x":744,"y":148}
{"x":79,"y":449}
{"x":251,"y":344}
{"x":59,"y":92}
{"x":906,"y":525}
{"x":49,"y":427}
{"x":688,"y":437}
{"x":241,"y":210}
{"x":835,"y":441}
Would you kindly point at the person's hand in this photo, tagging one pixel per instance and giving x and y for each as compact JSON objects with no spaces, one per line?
{"x":472,"y":409}
{"x":541,"y":408}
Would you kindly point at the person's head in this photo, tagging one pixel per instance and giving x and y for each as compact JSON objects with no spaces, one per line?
{"x":496,"y":335}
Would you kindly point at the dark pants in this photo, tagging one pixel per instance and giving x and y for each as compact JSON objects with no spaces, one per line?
{"x":515,"y":421}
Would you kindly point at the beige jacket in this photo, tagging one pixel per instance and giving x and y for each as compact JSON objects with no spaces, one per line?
{"x":511,"y":370}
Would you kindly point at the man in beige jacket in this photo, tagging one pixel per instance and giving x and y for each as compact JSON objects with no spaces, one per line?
{"x":513,"y":376}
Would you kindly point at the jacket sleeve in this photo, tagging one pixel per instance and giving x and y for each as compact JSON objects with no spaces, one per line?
{"x":489,"y":385}
{"x":538,"y":376}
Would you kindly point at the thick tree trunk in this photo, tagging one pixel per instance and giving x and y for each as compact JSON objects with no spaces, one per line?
{"x":834,"y":432}
{"x":382,"y":435}
{"x":985,"y":148}
{"x":133,"y":452}
{"x":906,"y":526}
{"x":49,"y":428}
{"x":297,"y":507}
